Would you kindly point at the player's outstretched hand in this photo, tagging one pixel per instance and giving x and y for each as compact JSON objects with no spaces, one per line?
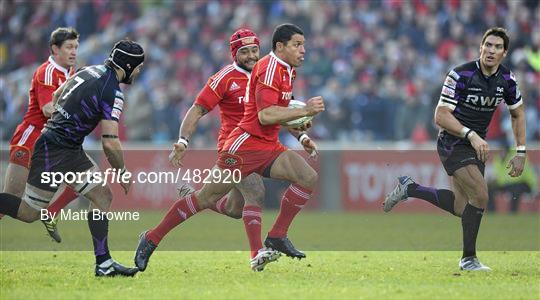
{"x":480,"y":146}
{"x":310,"y":147}
{"x":314,"y":106}
{"x":177,"y":154}
{"x":516,"y":166}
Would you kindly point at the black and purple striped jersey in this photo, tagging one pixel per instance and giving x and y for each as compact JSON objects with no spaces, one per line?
{"x":91,"y":95}
{"x":473,"y":97}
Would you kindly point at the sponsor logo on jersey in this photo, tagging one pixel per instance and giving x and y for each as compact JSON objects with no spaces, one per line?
{"x":229,"y":161}
{"x":116,"y":114}
{"x":500,"y":89}
{"x":286,"y":95}
{"x":62,"y":111}
{"x":19,"y":154}
{"x":92,"y":72}
{"x":484,"y":100}
{"x":474,"y":89}
{"x":118,"y":93}
{"x":234,"y":86}
{"x":448,"y":92}
{"x":450,"y":82}
{"x":118,"y":103}
{"x":454,"y":75}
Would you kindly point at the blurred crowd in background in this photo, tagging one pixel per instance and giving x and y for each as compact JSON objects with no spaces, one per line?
{"x":378,"y":64}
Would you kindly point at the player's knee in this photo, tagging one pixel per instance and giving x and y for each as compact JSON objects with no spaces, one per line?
{"x":483,"y":197}
{"x":101,"y":198}
{"x":235,"y":213}
{"x":28,"y":216}
{"x":206,"y":198}
{"x":255,"y":196}
{"x":14,"y":188}
{"x":107,"y":195}
{"x":309,"y":179}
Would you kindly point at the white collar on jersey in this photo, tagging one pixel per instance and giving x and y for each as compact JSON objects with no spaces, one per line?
{"x":248,"y":74}
{"x":279,"y":60}
{"x":289,"y":68}
{"x":59,"y":67}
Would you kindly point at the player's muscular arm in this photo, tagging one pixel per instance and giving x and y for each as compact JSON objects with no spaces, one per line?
{"x":518,"y":124}
{"x":447,"y":121}
{"x":111,"y":144}
{"x":48,"y":108}
{"x":277,"y":114}
{"x":517,"y":163}
{"x":189,"y":124}
{"x":57,"y":94}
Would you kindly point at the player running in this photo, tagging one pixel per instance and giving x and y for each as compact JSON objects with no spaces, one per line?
{"x":59,"y":67}
{"x":227,"y":89}
{"x":469,"y":97}
{"x":253,"y":147}
{"x":91,"y":97}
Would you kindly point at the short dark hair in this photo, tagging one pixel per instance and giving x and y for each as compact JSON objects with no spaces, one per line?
{"x":283,"y":33}
{"x":500,"y":32}
{"x":62,"y":34}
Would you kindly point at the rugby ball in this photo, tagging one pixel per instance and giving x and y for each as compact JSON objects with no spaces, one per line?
{"x":300,"y":121}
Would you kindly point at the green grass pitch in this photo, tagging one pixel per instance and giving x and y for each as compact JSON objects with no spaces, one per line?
{"x":350,"y":256}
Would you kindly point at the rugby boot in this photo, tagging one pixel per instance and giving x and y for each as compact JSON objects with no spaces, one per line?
{"x":264,"y":257}
{"x":471,"y":263}
{"x":398,"y":194}
{"x":143,"y":252}
{"x":52,"y":229}
{"x":284,"y":246}
{"x":110,"y":268}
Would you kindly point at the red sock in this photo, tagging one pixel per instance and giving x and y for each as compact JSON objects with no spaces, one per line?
{"x":219,"y":206}
{"x":251,"y":215}
{"x":180,"y":211}
{"x":67,"y":196}
{"x":294,"y":198}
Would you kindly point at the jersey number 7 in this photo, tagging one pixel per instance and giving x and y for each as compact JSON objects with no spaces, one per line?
{"x":79,"y":81}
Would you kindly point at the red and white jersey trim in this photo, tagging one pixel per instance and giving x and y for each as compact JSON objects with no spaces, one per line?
{"x":25,"y":135}
{"x":220,"y":75}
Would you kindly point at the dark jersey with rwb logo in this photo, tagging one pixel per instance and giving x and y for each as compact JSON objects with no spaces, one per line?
{"x":91,"y":95}
{"x":474,"y":97}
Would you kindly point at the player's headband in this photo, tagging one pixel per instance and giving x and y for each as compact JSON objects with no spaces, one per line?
{"x":242,"y":38}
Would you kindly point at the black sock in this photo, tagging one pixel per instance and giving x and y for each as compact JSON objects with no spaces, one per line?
{"x":470,"y":221}
{"x":99,"y":228}
{"x":441,"y":198}
{"x":9,"y":204}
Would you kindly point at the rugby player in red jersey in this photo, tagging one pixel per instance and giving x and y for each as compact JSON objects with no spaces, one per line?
{"x":227,"y":89}
{"x":59,"y":67}
{"x":253,"y":147}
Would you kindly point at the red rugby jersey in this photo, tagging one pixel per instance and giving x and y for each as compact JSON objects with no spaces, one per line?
{"x":227,"y":89}
{"x":271,"y":83}
{"x":47,"y":78}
